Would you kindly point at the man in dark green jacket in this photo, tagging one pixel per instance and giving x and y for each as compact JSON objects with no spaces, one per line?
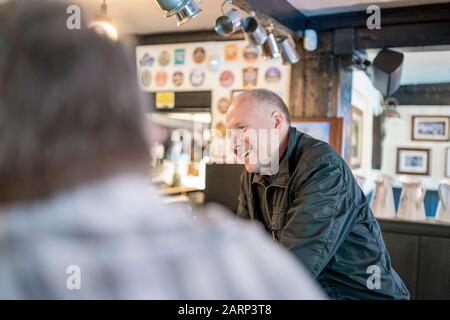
{"x":307,"y":198}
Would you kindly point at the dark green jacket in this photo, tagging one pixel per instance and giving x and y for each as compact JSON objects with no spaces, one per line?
{"x":317,"y":210}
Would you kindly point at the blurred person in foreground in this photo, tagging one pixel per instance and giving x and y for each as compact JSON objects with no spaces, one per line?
{"x":74,"y":186}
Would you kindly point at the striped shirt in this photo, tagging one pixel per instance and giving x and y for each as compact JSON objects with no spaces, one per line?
{"x":114,"y":239}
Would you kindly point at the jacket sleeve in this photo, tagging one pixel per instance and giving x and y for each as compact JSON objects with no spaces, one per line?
{"x":321,"y":214}
{"x":242,"y":210}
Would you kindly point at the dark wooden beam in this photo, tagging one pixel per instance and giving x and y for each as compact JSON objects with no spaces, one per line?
{"x":389,"y":16}
{"x":377,"y":141}
{"x":432,"y":94}
{"x":424,"y":25}
{"x":420,"y":34}
{"x":280,"y":10}
{"x":321,"y":87}
{"x":313,"y":81}
{"x":344,"y":41}
{"x":285,"y":18}
{"x":407,"y":35}
{"x":184,"y":37}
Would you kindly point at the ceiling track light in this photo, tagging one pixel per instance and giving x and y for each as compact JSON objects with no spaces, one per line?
{"x":183,"y":10}
{"x":256,"y":34}
{"x":270,"y":48}
{"x":229,"y":22}
{"x":289,"y":52}
{"x":103,"y":23}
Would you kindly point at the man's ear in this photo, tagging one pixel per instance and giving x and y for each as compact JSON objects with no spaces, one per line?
{"x":277,"y":119}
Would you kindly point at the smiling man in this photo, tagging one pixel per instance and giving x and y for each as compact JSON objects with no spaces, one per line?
{"x":309,"y":201}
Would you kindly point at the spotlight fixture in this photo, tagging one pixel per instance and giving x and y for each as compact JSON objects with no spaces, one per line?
{"x":255,"y":33}
{"x":258,"y":35}
{"x":183,"y":10}
{"x":288,"y":50}
{"x":270,"y":49}
{"x":229,"y":23}
{"x":103,"y":23}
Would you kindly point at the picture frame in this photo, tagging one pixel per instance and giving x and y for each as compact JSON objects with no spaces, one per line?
{"x":447,"y":162}
{"x":329,"y":130}
{"x":414,"y":161}
{"x":356,"y":138}
{"x":430,"y":128}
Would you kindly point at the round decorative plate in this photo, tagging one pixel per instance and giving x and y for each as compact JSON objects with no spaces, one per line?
{"x":146,"y":78}
{"x":164,"y":58}
{"x":161,"y":78}
{"x":223,"y":105}
{"x":178,"y":78}
{"x":199,"y":55}
{"x":226,"y":78}
{"x":197,"y":77}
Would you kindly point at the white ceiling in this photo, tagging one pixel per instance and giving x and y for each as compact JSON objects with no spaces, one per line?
{"x":322,"y":7}
{"x":144,"y":16}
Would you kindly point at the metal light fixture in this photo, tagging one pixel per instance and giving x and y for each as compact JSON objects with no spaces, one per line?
{"x":255,"y":33}
{"x":288,"y":50}
{"x":258,"y":35}
{"x":270,"y":49}
{"x":183,"y":10}
{"x":103,"y":23}
{"x":228,"y":22}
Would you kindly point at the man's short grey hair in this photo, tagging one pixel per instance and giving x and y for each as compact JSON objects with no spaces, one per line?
{"x":267,"y":98}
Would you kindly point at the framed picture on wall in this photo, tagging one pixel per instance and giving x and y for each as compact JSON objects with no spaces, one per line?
{"x":447,"y":163}
{"x":413,"y":161}
{"x":329,"y":130}
{"x":430,"y":128}
{"x":356,"y":138}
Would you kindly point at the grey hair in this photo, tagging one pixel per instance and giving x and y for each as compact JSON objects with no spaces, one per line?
{"x":265,"y":97}
{"x":70,"y":107}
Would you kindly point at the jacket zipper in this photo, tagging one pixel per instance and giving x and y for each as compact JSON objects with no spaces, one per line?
{"x":269,"y":215}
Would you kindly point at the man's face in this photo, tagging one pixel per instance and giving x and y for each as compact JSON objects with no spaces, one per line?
{"x":250,"y":132}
